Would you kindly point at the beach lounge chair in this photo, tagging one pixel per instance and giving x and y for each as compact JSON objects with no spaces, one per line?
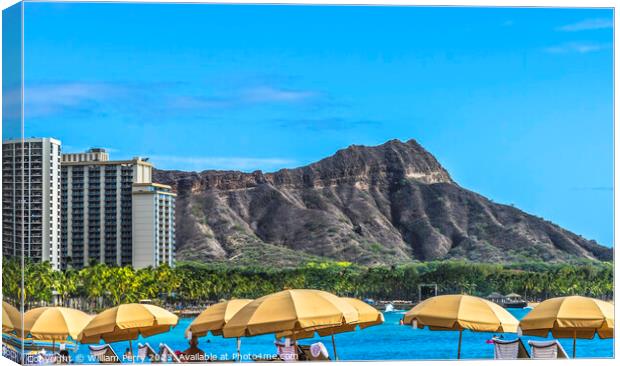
{"x":166,"y":354}
{"x":46,"y":358}
{"x":104,"y":354}
{"x":547,"y":350}
{"x":11,"y":353}
{"x":146,"y":352}
{"x":32,"y":358}
{"x":63,"y":359}
{"x":313,"y":352}
{"x":509,"y":350}
{"x":287,"y":351}
{"x":58,"y":359}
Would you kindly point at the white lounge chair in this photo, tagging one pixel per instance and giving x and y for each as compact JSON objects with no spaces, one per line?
{"x":509,"y":350}
{"x":145,"y":351}
{"x":11,"y":353}
{"x":314,"y":352}
{"x":547,"y":350}
{"x":287,"y":351}
{"x":104,"y":353}
{"x":166,"y":354}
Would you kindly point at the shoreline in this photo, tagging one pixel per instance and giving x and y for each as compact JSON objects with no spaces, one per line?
{"x":381,"y":305}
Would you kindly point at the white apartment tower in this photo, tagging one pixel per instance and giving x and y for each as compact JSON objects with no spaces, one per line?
{"x":99,"y":212}
{"x":31,"y":199}
{"x":153,"y":225}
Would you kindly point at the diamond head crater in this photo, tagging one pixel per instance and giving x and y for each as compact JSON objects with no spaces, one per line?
{"x":369,"y":205}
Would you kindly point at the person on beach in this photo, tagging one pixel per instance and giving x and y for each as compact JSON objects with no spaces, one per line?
{"x":64,"y":354}
{"x":193,"y":353}
{"x":127,"y":355}
{"x":287,"y":351}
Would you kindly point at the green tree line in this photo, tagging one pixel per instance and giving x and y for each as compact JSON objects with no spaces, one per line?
{"x":99,"y":286}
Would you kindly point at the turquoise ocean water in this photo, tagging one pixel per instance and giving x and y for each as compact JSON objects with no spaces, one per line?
{"x":389,"y":341}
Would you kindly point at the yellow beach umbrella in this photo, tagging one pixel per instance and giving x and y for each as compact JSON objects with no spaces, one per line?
{"x":367,"y":317}
{"x":11,"y":317}
{"x":290,"y":310}
{"x":127,"y":322}
{"x":55,"y":323}
{"x":458,"y":312}
{"x":213,"y":318}
{"x":570,"y":317}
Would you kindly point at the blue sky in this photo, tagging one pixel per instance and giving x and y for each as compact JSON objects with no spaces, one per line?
{"x":515,"y":103}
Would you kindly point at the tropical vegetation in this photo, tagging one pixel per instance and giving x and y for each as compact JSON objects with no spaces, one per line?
{"x":99,"y":286}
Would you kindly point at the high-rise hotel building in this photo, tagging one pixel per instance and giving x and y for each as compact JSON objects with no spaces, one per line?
{"x":31,"y":201}
{"x":100,"y":219}
{"x":153,"y":225}
{"x":75,"y":209}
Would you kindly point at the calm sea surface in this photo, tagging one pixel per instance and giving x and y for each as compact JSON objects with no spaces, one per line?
{"x":389,"y":341}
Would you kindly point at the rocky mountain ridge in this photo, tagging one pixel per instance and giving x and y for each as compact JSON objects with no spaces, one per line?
{"x":386,"y":204}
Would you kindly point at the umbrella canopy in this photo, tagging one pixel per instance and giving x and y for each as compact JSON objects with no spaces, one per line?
{"x":11,"y":317}
{"x":290,"y":310}
{"x":367,"y":317}
{"x":55,"y":323}
{"x":457,"y":312}
{"x":367,"y":314}
{"x":215,"y":317}
{"x":570,"y":317}
{"x":126,"y":322}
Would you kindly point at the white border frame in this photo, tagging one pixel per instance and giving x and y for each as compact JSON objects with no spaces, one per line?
{"x":472,"y":3}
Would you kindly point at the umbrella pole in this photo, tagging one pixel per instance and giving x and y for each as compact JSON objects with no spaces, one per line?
{"x":334,"y":345}
{"x":131,"y":351}
{"x":574,"y":343}
{"x":458,"y":355}
{"x":294,"y":337}
{"x":238,"y":349}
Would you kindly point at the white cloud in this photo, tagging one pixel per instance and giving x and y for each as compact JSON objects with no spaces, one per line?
{"x":48,"y":99}
{"x":84,"y":98}
{"x":242,"y":97}
{"x":220,"y":163}
{"x":587,"y":24}
{"x":270,"y":94}
{"x":578,"y":47}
